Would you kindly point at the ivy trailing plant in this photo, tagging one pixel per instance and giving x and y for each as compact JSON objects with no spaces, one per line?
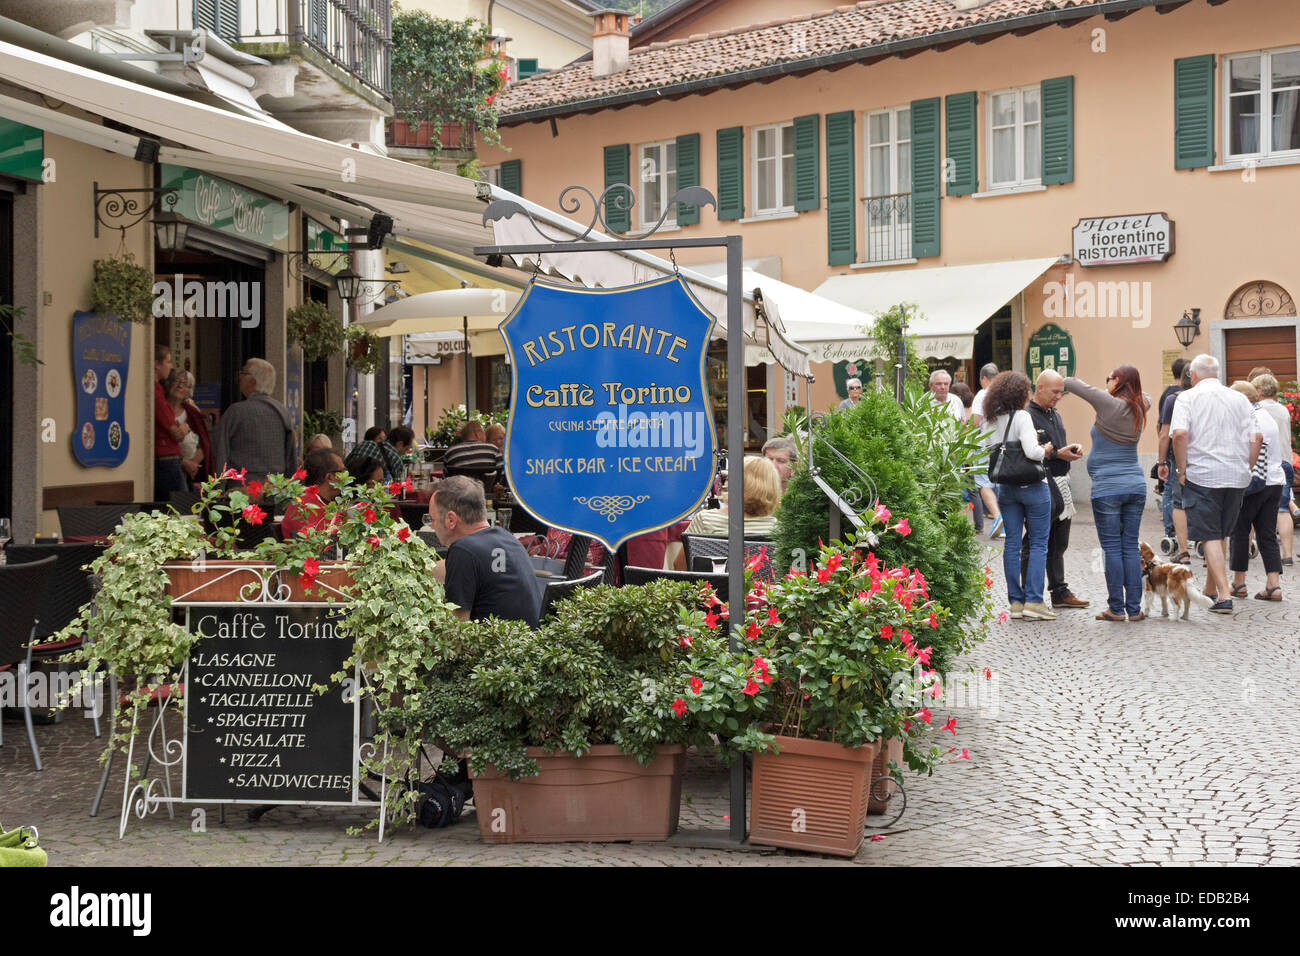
{"x":24,"y":348}
{"x":365,"y":353}
{"x":437,"y":76}
{"x":316,"y":329}
{"x":122,"y":288}
{"x":323,"y":422}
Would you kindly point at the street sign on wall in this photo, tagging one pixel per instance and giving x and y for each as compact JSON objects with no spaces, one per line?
{"x":610,"y":431}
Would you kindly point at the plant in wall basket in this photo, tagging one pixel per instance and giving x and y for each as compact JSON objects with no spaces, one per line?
{"x":364,"y":351}
{"x":316,"y":329}
{"x":323,"y":422}
{"x":122,"y":288}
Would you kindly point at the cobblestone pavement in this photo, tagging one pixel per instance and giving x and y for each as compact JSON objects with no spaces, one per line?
{"x":1159,"y":742}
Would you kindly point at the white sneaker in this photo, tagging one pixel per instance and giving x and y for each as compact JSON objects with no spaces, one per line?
{"x":1017,"y":610}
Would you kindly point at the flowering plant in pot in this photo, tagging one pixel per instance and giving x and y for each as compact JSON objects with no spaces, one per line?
{"x":575,"y":731}
{"x":835,"y":660}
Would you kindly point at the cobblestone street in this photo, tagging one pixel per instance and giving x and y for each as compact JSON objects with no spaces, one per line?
{"x":1160,"y":742}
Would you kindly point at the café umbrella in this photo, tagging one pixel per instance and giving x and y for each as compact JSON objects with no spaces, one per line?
{"x":475,"y":313}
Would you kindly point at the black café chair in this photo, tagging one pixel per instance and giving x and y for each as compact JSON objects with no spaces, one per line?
{"x":557,"y":591}
{"x":721,"y":583}
{"x":22,"y":588}
{"x":487,"y":476}
{"x":697,"y":548}
{"x":93,"y":521}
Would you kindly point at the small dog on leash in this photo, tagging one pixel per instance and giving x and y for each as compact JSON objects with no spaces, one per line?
{"x":1169,"y":582}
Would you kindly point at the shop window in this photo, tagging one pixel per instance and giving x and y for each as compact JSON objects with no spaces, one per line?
{"x":1262,"y":104}
{"x":1015,"y":138}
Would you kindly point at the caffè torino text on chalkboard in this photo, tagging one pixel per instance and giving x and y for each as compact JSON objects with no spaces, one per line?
{"x":255,"y":729}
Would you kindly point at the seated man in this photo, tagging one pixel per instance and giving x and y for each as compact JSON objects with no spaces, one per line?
{"x":472,"y":452}
{"x":487,"y":572}
{"x":308,"y":512}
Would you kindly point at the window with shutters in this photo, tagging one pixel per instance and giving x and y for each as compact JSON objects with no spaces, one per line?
{"x":658,"y":177}
{"x":220,"y":17}
{"x":1262,"y":104}
{"x":491,"y":174}
{"x":888,"y":180}
{"x":774,"y":169}
{"x":1015,"y":145}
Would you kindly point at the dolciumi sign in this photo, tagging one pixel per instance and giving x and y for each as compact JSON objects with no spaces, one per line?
{"x":1124,"y":240}
{"x":610,"y":433}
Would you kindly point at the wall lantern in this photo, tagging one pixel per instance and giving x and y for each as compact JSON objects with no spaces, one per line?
{"x":170,"y":231}
{"x":1188,"y":327}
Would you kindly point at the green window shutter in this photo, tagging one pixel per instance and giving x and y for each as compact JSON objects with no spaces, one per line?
{"x":688,"y":174}
{"x":617,"y":163}
{"x":1194,"y":112}
{"x":841,"y":224}
{"x":1057,"y":129}
{"x":807,"y":179}
{"x":527,"y":68}
{"x":962,"y":138}
{"x":512,"y":176}
{"x":731,"y":173}
{"x":925,"y":178}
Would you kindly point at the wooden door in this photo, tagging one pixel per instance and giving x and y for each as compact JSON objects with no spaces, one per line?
{"x":1273,"y":346}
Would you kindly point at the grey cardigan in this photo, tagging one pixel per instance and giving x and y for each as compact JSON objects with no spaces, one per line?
{"x":1114,"y":417}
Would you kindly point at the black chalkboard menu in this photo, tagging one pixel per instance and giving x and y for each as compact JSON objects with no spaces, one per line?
{"x":255,"y":729}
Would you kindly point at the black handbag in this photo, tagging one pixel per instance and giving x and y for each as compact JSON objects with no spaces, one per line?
{"x":1008,"y":464}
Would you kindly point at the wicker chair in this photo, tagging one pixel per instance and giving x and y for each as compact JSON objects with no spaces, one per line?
{"x":709,"y":546}
{"x":93,"y":521}
{"x":557,"y":591}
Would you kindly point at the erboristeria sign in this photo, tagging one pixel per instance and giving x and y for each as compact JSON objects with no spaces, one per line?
{"x":611,"y":433}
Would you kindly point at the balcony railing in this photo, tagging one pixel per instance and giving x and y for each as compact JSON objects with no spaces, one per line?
{"x":889,"y":227}
{"x":355,"y":35}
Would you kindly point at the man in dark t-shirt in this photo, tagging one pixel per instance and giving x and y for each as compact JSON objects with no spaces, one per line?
{"x":487,"y":572}
{"x":1171,"y":499}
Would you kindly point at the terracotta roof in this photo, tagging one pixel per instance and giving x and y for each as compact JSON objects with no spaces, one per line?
{"x":732,"y":57}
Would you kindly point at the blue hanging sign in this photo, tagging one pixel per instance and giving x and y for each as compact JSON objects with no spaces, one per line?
{"x":610,"y":431}
{"x":101,"y":357}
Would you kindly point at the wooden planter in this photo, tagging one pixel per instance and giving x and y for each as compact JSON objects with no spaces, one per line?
{"x":811,"y":796}
{"x":886,"y":750}
{"x":233,"y":581}
{"x":601,"y":797}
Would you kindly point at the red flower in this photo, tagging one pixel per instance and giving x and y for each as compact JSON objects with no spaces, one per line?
{"x":873,"y":562}
{"x":254,"y":489}
{"x":934,"y":621}
{"x":923,"y":714}
{"x":882,"y":514}
{"x":373,"y":541}
{"x":751,"y":688}
{"x":403,"y":533}
{"x":235,"y":476}
{"x":834,"y":563}
{"x":876,"y":837}
{"x":311,"y":566}
{"x":951,"y":725}
{"x":685,"y":640}
{"x":935,"y":690}
{"x":760,"y":668}
{"x":923,"y":655}
{"x":299,"y":475}
{"x":965,"y":754}
{"x":711,"y":620}
{"x":907,"y":726}
{"x":906,"y":637}
{"x":369,"y":516}
{"x":696,"y":685}
{"x":309,"y":490}
{"x":394,"y":487}
{"x":771,"y":616}
{"x":253,"y":514}
{"x":988,"y":674}
{"x":679,"y":705}
{"x":823,"y":575}
{"x":903,"y":528}
{"x":757,"y":561}
{"x":864,"y":597}
{"x":1003,"y":617}
{"x":754,"y":631}
{"x":887,"y":632}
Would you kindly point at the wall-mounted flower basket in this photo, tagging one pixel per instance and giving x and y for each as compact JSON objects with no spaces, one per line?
{"x":365,"y":353}
{"x":122,"y":288}
{"x":316,"y":329}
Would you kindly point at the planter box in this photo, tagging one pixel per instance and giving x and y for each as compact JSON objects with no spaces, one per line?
{"x":601,"y":797}
{"x":886,"y":750}
{"x":811,"y":796}
{"x":232,"y":581}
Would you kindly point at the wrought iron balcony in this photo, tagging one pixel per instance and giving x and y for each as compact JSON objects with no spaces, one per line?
{"x":889,"y":227}
{"x":354,"y":35}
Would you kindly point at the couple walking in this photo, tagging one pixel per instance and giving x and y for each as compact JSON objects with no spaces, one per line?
{"x":1043,"y":507}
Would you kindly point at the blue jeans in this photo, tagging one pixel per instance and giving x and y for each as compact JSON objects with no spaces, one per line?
{"x":1167,"y":502}
{"x":1030,"y":505}
{"x":1118,"y":520}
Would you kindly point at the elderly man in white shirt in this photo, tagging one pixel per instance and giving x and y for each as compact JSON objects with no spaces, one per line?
{"x":1216,"y":443}
{"x":940,"y":383}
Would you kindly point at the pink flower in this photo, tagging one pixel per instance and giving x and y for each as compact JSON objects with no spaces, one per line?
{"x":696,"y":685}
{"x":923,"y":714}
{"x":1003,"y":617}
{"x":253,"y":514}
{"x":373,"y":541}
{"x":686,"y":640}
{"x":951,"y":725}
{"x":965,"y":754}
{"x":906,"y":637}
{"x":679,"y":706}
{"x":236,"y":475}
{"x":752,"y":688}
{"x":882,"y":514}
{"x":934,"y":621}
{"x":923,"y":655}
{"x":903,"y":528}
{"x":876,"y":837}
{"x":935,"y":690}
{"x":757,"y":561}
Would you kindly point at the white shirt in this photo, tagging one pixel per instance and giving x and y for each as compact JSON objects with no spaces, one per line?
{"x":955,"y":407}
{"x":1272,"y":451}
{"x":1219,"y":424}
{"x":1279,"y":415}
{"x":1022,"y":429}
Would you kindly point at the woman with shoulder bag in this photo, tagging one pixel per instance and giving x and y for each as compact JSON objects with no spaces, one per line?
{"x":1259,"y":507}
{"x":1016,"y":469}
{"x":1119,"y":488}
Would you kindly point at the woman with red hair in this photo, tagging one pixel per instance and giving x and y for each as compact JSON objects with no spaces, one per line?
{"x":1119,"y":488}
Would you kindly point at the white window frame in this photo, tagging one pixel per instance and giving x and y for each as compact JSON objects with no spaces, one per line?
{"x":1265,"y":94}
{"x":659,"y":180}
{"x":491,"y":174}
{"x":1021,"y":179}
{"x":872,"y":190}
{"x":784,"y":203}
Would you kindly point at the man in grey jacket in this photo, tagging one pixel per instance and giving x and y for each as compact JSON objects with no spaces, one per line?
{"x":257,"y":433}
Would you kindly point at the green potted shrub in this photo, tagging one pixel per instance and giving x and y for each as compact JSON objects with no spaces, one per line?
{"x":836,"y":661}
{"x":576,"y":731}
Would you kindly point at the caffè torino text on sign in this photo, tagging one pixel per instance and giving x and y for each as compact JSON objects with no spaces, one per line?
{"x":1124,"y":240}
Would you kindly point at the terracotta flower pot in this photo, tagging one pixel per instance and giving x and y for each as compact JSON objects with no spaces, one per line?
{"x":886,"y":750}
{"x":600,"y":797}
{"x":233,"y":581}
{"x":811,"y":796}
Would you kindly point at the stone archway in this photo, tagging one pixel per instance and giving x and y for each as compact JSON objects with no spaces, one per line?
{"x":1260,"y":329}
